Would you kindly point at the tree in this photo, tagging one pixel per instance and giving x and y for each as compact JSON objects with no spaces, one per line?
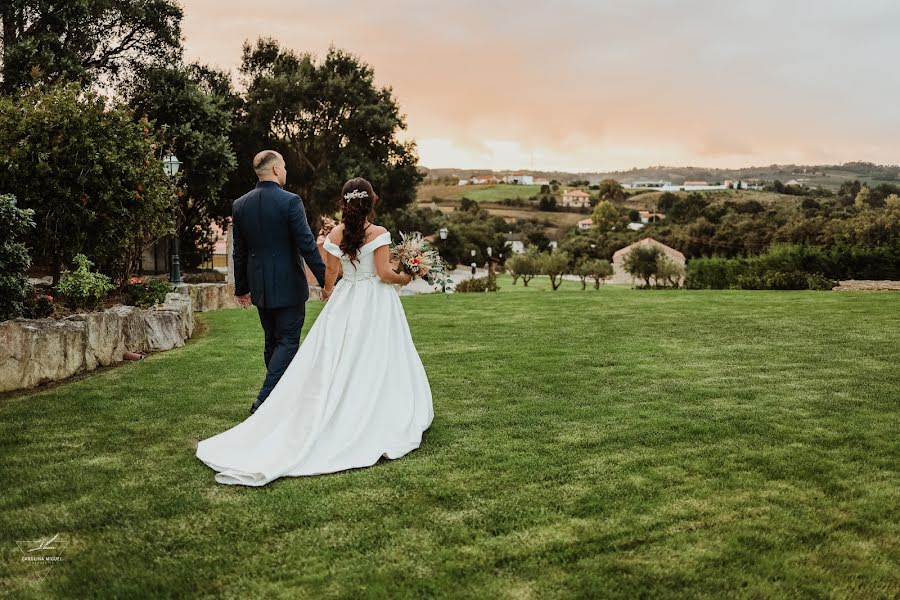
{"x":194,"y":105}
{"x":555,"y":265}
{"x":329,"y":120}
{"x":90,"y":172}
{"x":641,"y":262}
{"x":666,"y":201}
{"x":452,"y":249}
{"x":524,"y":266}
{"x":547,"y":202}
{"x":15,"y":224}
{"x":600,"y":270}
{"x":866,"y":199}
{"x":668,"y":272}
{"x":610,"y":189}
{"x":582,"y":270}
{"x":606,"y":215}
{"x":581,"y":245}
{"x":687,"y":209}
{"x":84,"y":41}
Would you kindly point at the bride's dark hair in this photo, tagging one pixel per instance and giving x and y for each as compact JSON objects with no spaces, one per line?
{"x":357,"y":202}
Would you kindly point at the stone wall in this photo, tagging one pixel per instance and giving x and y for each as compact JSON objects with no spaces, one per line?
{"x":217,"y":296}
{"x":36,"y":351}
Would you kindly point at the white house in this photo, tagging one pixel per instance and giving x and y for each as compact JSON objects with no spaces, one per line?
{"x":576,"y":199}
{"x":585,"y":224}
{"x":647,"y":216}
{"x":515,"y":243}
{"x":648,"y":184}
{"x":519,"y":179}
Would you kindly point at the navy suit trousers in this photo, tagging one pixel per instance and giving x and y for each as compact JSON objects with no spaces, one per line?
{"x":282,"y":328}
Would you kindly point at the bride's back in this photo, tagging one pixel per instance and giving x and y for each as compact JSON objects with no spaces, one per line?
{"x":364,"y":265}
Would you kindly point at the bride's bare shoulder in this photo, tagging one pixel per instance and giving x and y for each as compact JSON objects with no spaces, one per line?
{"x":336,"y":234}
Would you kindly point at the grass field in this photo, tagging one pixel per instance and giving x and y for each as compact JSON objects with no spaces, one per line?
{"x":613,"y":443}
{"x":480,"y":193}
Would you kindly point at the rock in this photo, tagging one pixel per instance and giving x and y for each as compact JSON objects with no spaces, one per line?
{"x":34,"y":351}
{"x":170,"y":323}
{"x":185,"y":308}
{"x":104,"y":344}
{"x":132,"y":327}
{"x":209,"y":296}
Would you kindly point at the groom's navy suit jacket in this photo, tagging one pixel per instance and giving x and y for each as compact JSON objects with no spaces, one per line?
{"x":271,"y":236}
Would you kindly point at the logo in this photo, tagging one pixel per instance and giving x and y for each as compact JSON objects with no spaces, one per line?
{"x":42,"y":555}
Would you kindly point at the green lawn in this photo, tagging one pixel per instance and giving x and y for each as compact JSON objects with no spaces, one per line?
{"x":612,"y":443}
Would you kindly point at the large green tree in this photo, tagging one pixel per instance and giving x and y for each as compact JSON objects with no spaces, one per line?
{"x":84,"y":41}
{"x":91,"y":173}
{"x":330,"y":121}
{"x":193,"y":106}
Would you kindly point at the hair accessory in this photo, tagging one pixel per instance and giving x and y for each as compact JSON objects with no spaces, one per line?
{"x":356,"y":194}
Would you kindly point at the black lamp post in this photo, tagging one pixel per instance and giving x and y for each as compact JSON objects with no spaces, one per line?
{"x":443,"y":233}
{"x":171,"y":164}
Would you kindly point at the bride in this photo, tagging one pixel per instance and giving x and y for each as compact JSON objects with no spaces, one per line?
{"x":356,"y":390}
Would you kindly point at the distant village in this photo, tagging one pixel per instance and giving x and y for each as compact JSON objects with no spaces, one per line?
{"x":660,"y":185}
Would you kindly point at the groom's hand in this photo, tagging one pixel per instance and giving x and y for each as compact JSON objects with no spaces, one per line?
{"x":244,"y":300}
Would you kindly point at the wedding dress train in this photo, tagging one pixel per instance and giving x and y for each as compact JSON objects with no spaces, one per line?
{"x":355,"y":391}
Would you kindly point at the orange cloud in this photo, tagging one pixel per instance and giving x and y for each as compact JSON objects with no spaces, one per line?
{"x":583,"y":85}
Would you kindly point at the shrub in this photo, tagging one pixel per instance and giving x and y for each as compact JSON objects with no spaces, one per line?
{"x":89,"y":171}
{"x":146,"y":292}
{"x":37,"y":306}
{"x":15,"y":223}
{"x":482,"y":284}
{"x":714,"y":273}
{"x":83,"y":288}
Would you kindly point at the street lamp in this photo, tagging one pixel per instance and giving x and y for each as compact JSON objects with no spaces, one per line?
{"x":171,"y":164}
{"x":443,"y":232}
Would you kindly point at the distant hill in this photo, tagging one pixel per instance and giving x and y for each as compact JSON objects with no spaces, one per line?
{"x":826,"y":176}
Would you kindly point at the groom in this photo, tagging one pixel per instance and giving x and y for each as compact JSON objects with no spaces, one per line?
{"x":271,"y":235}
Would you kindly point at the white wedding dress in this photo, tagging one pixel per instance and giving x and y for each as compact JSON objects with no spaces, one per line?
{"x":355,"y":391}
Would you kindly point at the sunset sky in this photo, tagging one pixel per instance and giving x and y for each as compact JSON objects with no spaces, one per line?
{"x":603,"y":85}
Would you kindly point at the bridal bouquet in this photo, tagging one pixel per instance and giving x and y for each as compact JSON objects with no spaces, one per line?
{"x":419,"y":258}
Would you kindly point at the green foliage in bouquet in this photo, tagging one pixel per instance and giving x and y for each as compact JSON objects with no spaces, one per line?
{"x":82,"y":287}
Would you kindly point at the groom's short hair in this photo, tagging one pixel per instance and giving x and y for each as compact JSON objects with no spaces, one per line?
{"x":264,"y":160}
